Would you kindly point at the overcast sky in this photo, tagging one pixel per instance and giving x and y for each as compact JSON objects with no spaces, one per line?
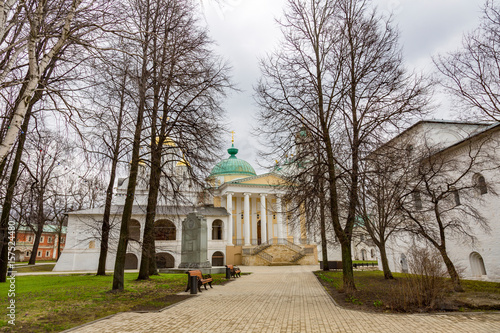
{"x":246,"y":30}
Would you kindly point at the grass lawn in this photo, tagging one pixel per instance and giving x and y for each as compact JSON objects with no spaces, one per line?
{"x":376,"y":294}
{"x":52,"y":303}
{"x":37,"y":268}
{"x":371,"y":262}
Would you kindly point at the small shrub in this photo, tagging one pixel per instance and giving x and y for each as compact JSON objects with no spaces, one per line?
{"x":378,"y":303}
{"x":425,"y":287}
{"x":353,"y":300}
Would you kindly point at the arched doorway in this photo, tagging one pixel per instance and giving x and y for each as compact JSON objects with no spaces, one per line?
{"x":17,"y":255}
{"x":134,"y":230}
{"x":131,"y":261}
{"x":259,"y":231}
{"x":477,"y":264}
{"x":165,"y":260}
{"x":164,"y":230}
{"x":218,"y":259}
{"x":363,"y":254}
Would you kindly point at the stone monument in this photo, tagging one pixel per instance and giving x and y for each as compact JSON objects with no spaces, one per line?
{"x":194,"y":242}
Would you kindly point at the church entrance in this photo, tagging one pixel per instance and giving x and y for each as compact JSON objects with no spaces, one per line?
{"x":259,"y":237}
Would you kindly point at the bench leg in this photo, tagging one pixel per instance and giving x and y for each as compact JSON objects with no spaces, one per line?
{"x":205,"y":286}
{"x":210,"y":284}
{"x":187,"y":288}
{"x":199,"y":286}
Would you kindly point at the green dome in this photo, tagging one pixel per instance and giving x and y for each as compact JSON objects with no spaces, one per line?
{"x":233,"y":165}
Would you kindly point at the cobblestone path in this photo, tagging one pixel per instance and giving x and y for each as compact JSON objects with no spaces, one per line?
{"x":282,"y":299}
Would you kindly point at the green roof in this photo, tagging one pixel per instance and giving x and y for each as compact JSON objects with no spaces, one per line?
{"x":233,"y":165}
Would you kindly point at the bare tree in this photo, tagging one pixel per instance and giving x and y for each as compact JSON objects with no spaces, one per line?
{"x":44,"y":151}
{"x":384,"y":182}
{"x":443,"y":197}
{"x":472,"y":74}
{"x":188,"y":82}
{"x":339,"y":73}
{"x":46,"y":28}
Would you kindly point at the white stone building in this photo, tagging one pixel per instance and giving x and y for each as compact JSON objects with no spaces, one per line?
{"x":479,"y":259}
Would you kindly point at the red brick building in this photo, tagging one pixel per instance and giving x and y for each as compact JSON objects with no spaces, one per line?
{"x":47,"y":249}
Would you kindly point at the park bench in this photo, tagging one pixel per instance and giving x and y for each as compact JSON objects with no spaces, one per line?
{"x":202,"y":279}
{"x":235,"y":271}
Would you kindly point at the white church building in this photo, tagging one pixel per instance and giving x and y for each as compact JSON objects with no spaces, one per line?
{"x":478,"y":259}
{"x":246,"y":222}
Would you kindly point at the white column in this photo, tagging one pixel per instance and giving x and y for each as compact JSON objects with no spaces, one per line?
{"x":229,"y":228}
{"x":239,"y":211}
{"x":253,"y":220}
{"x":263,"y":220}
{"x":279,"y":218}
{"x":246,"y":219}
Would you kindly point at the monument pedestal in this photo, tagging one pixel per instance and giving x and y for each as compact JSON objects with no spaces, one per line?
{"x":194,"y":243}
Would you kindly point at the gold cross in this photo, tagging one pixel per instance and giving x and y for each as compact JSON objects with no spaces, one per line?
{"x":232,"y":133}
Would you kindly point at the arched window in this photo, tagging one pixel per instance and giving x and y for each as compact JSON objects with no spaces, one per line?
{"x":218,"y":259}
{"x":134,"y":230}
{"x":456,"y":197}
{"x":217,"y":229}
{"x":417,"y":199}
{"x":165,"y":260}
{"x":131,"y":261}
{"x":164,"y":230}
{"x":481,"y":184}
{"x":477,"y":264}
{"x":372,"y":253}
{"x":404,"y":263}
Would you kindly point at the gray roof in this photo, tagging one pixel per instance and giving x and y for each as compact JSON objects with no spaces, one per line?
{"x":160,"y":210}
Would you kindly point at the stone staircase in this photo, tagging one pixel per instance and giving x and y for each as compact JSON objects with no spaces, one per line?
{"x":283,"y":254}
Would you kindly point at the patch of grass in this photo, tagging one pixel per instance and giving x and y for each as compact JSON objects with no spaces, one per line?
{"x":49,"y":303}
{"x":374,"y":262}
{"x":376,"y":294}
{"x":36,"y":268}
{"x":481,"y":286}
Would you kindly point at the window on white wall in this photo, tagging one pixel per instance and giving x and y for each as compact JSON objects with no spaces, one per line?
{"x":481,"y":184}
{"x":417,"y":200}
{"x":217,"y":230}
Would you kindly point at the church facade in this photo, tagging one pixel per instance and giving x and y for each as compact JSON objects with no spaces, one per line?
{"x":246,"y":220}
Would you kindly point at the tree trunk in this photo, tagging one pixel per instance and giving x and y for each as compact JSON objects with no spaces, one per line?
{"x":101,"y":268}
{"x":153,"y":270}
{"x":324,"y":245}
{"x":38,"y":235}
{"x":455,"y":278}
{"x":348,"y":274}
{"x":9,"y":195}
{"x":385,"y":262}
{"x":148,"y":255}
{"x":59,"y":234}
{"x":119,"y":270}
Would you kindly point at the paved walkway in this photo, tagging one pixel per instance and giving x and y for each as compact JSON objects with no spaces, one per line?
{"x":270,"y":301}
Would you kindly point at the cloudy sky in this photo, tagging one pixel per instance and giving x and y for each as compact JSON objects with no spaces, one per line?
{"x":246,"y":30}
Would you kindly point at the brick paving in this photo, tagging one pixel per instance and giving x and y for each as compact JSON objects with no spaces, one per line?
{"x":282,"y":299}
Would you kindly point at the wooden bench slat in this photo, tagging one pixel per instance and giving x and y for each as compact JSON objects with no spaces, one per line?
{"x":202,"y":280}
